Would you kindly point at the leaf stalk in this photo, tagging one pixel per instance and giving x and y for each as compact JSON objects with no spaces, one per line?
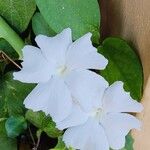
{"x":7,"y":33}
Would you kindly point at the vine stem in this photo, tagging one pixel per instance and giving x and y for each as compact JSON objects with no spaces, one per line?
{"x":7,"y":33}
{"x":5,"y":56}
{"x":38,"y":142}
{"x":38,"y":134}
{"x":31,"y":135}
{"x":35,"y":144}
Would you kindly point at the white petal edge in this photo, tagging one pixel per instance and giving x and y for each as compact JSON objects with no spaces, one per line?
{"x":117,"y":126}
{"x":116,"y":99}
{"x":87,"y":88}
{"x":89,"y":136}
{"x":76,"y":117}
{"x":54,"y":48}
{"x":34,"y":66}
{"x":82,"y":54}
{"x":52,"y":98}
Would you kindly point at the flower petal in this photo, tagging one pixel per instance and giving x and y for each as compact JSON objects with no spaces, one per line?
{"x":81,"y":54}
{"x":52,"y":98}
{"x":76,"y":117}
{"x":89,"y":136}
{"x":117,"y":126}
{"x":117,"y":100}
{"x":87,"y":88}
{"x":35,"y":67}
{"x":54,"y":48}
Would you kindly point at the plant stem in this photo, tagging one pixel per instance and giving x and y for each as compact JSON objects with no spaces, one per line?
{"x":11,"y":37}
{"x":5,"y":56}
{"x":31,"y":136}
{"x":38,"y":134}
{"x":38,"y":142}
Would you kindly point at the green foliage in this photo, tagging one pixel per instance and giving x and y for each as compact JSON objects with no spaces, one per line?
{"x":124,"y":65}
{"x":12,"y":94}
{"x":40,"y":26}
{"x":2,"y":68}
{"x":5,"y":142}
{"x":2,"y":127}
{"x":61,"y":145}
{"x":81,"y":16}
{"x":129,"y":143}
{"x":43,"y":122}
{"x":15,"y":125}
{"x":8,"y":143}
{"x":7,"y":33}
{"x":7,"y":48}
{"x":17,"y":12}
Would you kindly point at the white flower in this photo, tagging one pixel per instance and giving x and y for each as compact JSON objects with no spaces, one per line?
{"x":106,"y":125}
{"x":59,"y":67}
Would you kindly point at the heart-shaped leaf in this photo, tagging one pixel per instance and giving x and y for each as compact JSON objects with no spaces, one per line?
{"x":40,"y":26}
{"x":17,"y":12}
{"x":81,"y":16}
{"x":124,"y":65}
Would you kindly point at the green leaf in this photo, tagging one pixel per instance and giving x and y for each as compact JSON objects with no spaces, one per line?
{"x":129,"y":143}
{"x":17,"y":12}
{"x":7,"y":33}
{"x":2,"y":127}
{"x":8,"y":143}
{"x":6,"y":47}
{"x":81,"y":16}
{"x":5,"y":142}
{"x":124,"y":65}
{"x":2,"y":67}
{"x":15,"y":125}
{"x":40,"y":26}
{"x":61,"y":145}
{"x":12,"y":95}
{"x":43,"y":122}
